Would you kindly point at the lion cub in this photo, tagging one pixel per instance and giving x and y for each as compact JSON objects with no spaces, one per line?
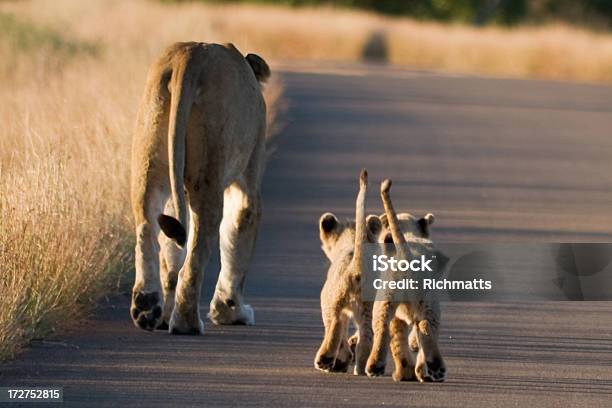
{"x":342,"y":243}
{"x":391,"y":320}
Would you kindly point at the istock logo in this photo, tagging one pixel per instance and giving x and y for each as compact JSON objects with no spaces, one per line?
{"x":384,"y":263}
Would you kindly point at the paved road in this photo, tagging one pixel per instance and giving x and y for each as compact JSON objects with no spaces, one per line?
{"x":495,"y":160}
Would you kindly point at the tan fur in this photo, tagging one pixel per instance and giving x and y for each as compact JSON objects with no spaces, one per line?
{"x":197,"y":162}
{"x":392,"y":320}
{"x":342,"y":243}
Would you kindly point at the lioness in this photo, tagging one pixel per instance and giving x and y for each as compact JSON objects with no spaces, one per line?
{"x":199,"y":145}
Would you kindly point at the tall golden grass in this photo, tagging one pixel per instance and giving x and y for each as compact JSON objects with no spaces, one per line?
{"x":140,"y":28}
{"x":71,"y":83}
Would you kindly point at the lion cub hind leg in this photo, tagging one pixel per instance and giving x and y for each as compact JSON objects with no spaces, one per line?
{"x":402,"y":358}
{"x":383,"y":313}
{"x":344,"y":357}
{"x":336,"y":325}
{"x":363,"y":340}
{"x":352,"y":341}
{"x":413,"y":339}
{"x":430,"y":365}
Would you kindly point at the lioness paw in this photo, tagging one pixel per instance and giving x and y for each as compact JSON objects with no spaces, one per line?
{"x":146,"y":310}
{"x":191,"y":324}
{"x":229,"y":312}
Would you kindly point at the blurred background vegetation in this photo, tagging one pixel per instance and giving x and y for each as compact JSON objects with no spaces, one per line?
{"x":592,"y":13}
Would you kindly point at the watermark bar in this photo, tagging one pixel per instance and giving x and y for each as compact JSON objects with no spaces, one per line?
{"x":488,"y":272}
{"x":31,"y":394}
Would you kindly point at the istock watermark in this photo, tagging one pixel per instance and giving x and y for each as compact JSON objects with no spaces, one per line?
{"x":491,"y":272}
{"x":383,"y":263}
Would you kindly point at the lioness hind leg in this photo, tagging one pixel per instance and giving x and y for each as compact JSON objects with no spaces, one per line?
{"x":205,"y":212}
{"x":171,"y":260}
{"x":404,"y":365}
{"x":241,"y":214}
{"x":146,"y":307}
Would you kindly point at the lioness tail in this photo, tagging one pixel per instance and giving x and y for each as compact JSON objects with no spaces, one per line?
{"x":181,"y":101}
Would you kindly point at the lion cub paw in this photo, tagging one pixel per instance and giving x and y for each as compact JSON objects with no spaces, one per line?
{"x":431,"y":371}
{"x":375,"y":370}
{"x":329,"y":364}
{"x":324,"y":363}
{"x":334,"y":364}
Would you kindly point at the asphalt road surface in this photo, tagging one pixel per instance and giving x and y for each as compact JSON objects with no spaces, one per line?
{"x":496,"y":160}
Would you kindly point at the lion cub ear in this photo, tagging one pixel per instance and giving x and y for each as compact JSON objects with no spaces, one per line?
{"x":327,"y":223}
{"x":383,"y":220}
{"x":425,"y":222}
{"x":374,"y":226}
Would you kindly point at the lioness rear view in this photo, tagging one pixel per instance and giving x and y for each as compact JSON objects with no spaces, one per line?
{"x":199,"y":142}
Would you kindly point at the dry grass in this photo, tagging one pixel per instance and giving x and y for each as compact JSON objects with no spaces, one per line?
{"x":70,"y":89}
{"x":549,"y":52}
{"x":557,"y":51}
{"x":281,"y":33}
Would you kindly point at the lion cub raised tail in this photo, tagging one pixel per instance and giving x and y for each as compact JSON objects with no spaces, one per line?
{"x":421,"y":313}
{"x":341,"y":299}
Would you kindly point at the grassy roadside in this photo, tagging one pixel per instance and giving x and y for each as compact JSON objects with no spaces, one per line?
{"x":70,"y":94}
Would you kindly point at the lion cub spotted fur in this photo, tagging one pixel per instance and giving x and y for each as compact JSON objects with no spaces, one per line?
{"x":392,"y":320}
{"x":342,"y":243}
